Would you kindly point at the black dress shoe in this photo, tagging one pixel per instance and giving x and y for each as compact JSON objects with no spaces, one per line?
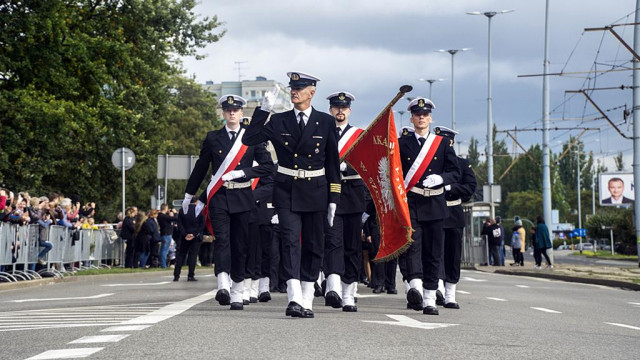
{"x":332,"y":299}
{"x":317,"y":292}
{"x":323,"y":287}
{"x":439,"y":298}
{"x":430,"y":310}
{"x":392,"y":292}
{"x":236,"y":306}
{"x":222,"y":297}
{"x":253,"y":300}
{"x":175,"y":278}
{"x":377,"y":290}
{"x":308,"y":314}
{"x":414,"y":298}
{"x":191,"y":278}
{"x":350,"y":308}
{"x":264,"y":296}
{"x":245,"y":302}
{"x":452,"y":305}
{"x":294,"y":309}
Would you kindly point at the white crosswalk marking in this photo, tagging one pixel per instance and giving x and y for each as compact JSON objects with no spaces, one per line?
{"x":496,"y":299}
{"x":463,"y":292}
{"x":66,"y":354}
{"x":624,"y":326}
{"x":522,"y":286}
{"x":546,"y":310}
{"x":99,"y":339}
{"x":87,"y":316}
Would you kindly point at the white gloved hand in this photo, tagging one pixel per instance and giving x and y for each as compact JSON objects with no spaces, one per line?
{"x":365,"y":216}
{"x":447,"y":187}
{"x":331,"y":213}
{"x":432,"y":181}
{"x":186,"y":202}
{"x":269,"y":99}
{"x":343,"y":166}
{"x":274,"y":219}
{"x":199,"y":207}
{"x":233,"y":174}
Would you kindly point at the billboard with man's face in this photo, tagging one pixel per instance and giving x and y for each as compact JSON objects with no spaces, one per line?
{"x":616,"y":189}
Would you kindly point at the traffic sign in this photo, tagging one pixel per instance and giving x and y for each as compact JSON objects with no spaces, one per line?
{"x":129,"y":158}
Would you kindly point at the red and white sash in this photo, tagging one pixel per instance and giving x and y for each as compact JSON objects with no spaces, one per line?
{"x":347,"y":139}
{"x":229,"y":163}
{"x":422,"y":161}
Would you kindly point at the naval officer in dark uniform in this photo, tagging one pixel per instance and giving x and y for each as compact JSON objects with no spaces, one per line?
{"x":343,"y":243}
{"x":427,"y":206}
{"x":455,"y":194}
{"x":307,"y":184}
{"x":231,"y":205}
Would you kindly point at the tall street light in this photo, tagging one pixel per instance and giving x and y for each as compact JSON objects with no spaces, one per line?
{"x":453,"y":52}
{"x":430,"y":81}
{"x":489,"y":15}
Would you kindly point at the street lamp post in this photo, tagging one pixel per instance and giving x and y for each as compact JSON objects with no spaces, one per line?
{"x":430,"y":81}
{"x":453,"y":52}
{"x":489,"y":15}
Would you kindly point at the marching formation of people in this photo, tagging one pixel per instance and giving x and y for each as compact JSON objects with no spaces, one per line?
{"x":286,"y":214}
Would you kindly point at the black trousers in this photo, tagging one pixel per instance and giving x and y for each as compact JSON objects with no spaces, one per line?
{"x":495,"y":254}
{"x":382,"y":273}
{"x":265,"y":233}
{"x":451,"y":256}
{"x":276,"y":275}
{"x":343,"y":247}
{"x":424,"y":256}
{"x":518,"y":257}
{"x":334,"y":256}
{"x":302,"y":235}
{"x":254,"y":252}
{"x":187,"y":250}
{"x":231,"y":233}
{"x":537,"y":255}
{"x":129,"y":253}
{"x":206,"y":253}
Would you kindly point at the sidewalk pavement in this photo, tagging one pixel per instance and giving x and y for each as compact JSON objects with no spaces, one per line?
{"x":621,"y":277}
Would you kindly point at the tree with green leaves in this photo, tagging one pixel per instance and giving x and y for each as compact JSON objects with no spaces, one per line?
{"x":79,"y":79}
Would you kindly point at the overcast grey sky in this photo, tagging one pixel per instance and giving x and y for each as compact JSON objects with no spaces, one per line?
{"x":371,"y":47}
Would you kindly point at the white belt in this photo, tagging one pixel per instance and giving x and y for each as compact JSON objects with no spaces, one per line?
{"x":350,"y":177}
{"x":454,"y":202}
{"x":427,"y":192}
{"x":236,"y":185}
{"x":300,"y":173}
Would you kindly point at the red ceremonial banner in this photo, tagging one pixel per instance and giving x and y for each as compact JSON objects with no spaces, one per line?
{"x":376,"y":157}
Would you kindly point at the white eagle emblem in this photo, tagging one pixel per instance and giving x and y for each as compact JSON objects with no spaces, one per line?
{"x":385,"y":185}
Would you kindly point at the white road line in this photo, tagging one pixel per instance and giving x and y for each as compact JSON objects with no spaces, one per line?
{"x":126,"y":328}
{"x":546,"y":310}
{"x":139,"y":284}
{"x":463,"y":292}
{"x":634,"y":303}
{"x":367,"y":296}
{"x":66,"y":354}
{"x":624,"y":326}
{"x":496,"y":299}
{"x":171,"y":310}
{"x":401,"y":320}
{"x":99,"y":339}
{"x":473,"y":279}
{"x":522,"y":286}
{"x":63,"y":299}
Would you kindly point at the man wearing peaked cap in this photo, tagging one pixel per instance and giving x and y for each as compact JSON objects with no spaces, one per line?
{"x":343,"y":246}
{"x":428,"y":163}
{"x":455,"y":194}
{"x":307,"y":184}
{"x":228,"y":197}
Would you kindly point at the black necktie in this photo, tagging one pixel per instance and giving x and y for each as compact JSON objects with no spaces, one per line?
{"x":301,"y":122}
{"x":421,"y":140}
{"x":233,"y":136}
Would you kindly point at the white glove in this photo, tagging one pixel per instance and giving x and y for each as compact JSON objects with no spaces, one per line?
{"x":331,"y":213}
{"x":365,"y":216}
{"x":269,"y":99}
{"x":274,"y":219}
{"x":343,"y":166}
{"x":186,"y":202}
{"x":447,"y":187}
{"x":233,"y":174}
{"x":199,"y":207}
{"x":432,"y":181}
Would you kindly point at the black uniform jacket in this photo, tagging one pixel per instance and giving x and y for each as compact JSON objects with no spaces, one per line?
{"x":214,"y":150}
{"x":352,"y":191}
{"x":462,"y":190}
{"x":444,"y":163}
{"x":314,"y":149}
{"x":263,"y":194}
{"x":189,"y":223}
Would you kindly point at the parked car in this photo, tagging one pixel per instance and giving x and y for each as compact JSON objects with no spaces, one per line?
{"x":564,"y":247}
{"x":585,"y":246}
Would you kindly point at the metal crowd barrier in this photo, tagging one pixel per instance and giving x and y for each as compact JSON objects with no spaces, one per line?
{"x":72,"y":250}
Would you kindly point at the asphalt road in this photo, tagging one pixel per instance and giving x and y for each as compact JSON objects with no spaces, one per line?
{"x":146,"y":316}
